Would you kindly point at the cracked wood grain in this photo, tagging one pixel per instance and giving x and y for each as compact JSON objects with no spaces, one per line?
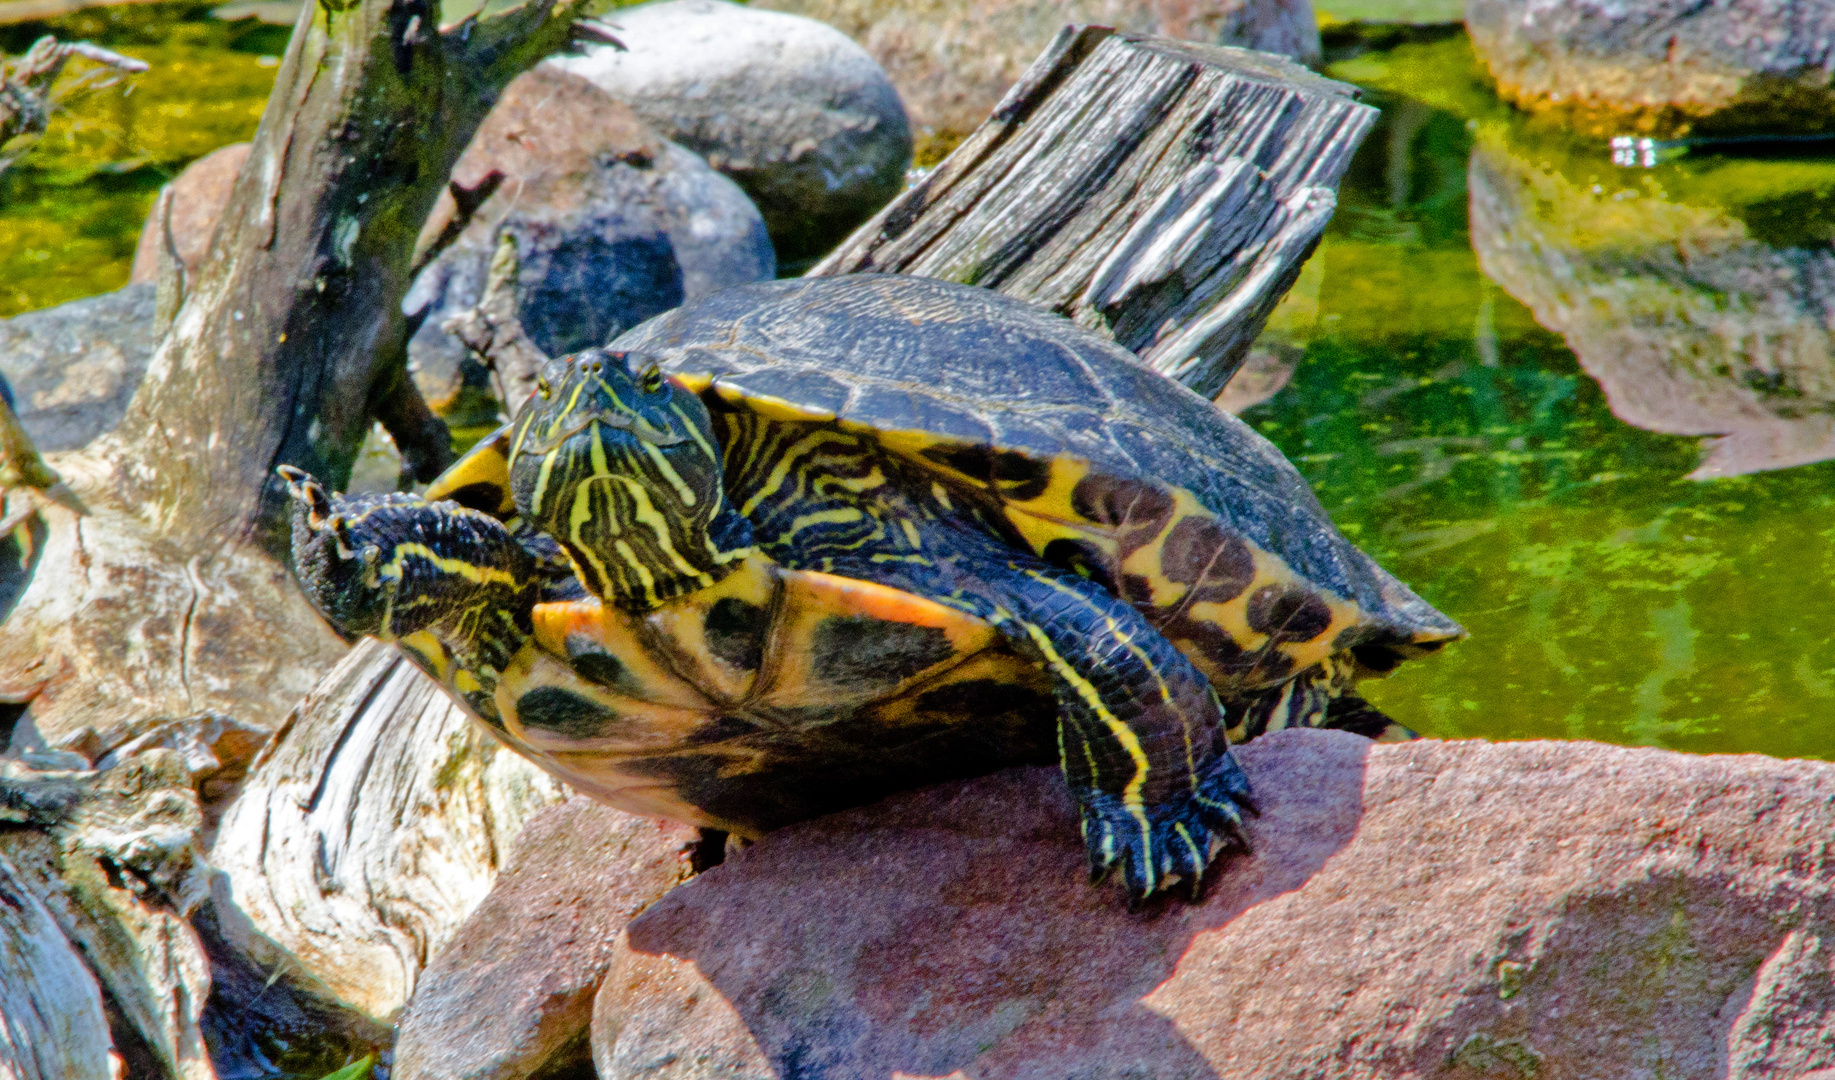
{"x":1162,"y":193}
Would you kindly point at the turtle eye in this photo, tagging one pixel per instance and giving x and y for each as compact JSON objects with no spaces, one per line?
{"x":542,"y":387}
{"x":652,"y":379}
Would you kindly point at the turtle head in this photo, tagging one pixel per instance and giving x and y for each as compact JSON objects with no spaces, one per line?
{"x":619,"y":464}
{"x":338,"y":568}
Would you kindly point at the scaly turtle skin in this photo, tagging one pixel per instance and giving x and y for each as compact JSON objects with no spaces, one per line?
{"x":1069,"y":522}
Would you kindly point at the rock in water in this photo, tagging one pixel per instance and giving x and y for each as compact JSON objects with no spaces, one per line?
{"x":613,"y":224}
{"x":369,"y":829}
{"x":800,"y":116}
{"x":1691,"y":324}
{"x":513,"y":993}
{"x":953,"y":60}
{"x":74,"y":367}
{"x":188,"y":209}
{"x":1448,"y":909}
{"x":1663,"y":67}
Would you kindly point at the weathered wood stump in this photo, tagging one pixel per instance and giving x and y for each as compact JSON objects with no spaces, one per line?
{"x":1161,"y":192}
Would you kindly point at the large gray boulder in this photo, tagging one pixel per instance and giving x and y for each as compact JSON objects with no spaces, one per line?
{"x":795,"y":112}
{"x":953,"y":60}
{"x":612,"y":223}
{"x":73,"y":368}
{"x":1663,"y":67}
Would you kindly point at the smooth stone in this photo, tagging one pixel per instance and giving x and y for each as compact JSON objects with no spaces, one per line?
{"x":513,"y":992}
{"x":190,"y":205}
{"x":953,"y":60}
{"x":1691,"y":324}
{"x":613,"y":224}
{"x":793,"y":110}
{"x":73,"y":368}
{"x":1457,"y":909}
{"x":1663,"y":67}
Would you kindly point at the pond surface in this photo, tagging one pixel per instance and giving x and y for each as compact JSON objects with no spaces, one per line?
{"x":1448,"y":432}
{"x":72,"y":207}
{"x":1443,"y":415}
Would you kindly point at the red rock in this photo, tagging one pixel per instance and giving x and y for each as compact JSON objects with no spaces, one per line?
{"x":192,"y":203}
{"x":515,"y":987}
{"x":1443,"y":909}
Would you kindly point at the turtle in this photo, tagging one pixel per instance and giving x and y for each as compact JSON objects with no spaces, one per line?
{"x":801,"y":543}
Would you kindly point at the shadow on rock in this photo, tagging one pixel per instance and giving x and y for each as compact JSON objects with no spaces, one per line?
{"x":950,"y":929}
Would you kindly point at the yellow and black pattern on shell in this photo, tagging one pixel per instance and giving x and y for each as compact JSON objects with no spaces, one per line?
{"x":773,"y":696}
{"x":1247,"y":619}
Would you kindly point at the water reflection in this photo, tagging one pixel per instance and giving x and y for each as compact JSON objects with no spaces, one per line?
{"x":1690,"y":324}
{"x":1453,"y":436}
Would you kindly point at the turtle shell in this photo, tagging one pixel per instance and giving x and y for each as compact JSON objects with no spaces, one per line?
{"x":1089,"y":459}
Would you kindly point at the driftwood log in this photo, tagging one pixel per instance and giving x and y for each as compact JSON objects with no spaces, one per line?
{"x":305,"y":855}
{"x":112,"y":858}
{"x":372,"y":826}
{"x":1160,"y":192}
{"x":157,"y":593}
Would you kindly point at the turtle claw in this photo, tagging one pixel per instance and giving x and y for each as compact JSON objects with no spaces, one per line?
{"x":1173,"y":840}
{"x":303,"y":487}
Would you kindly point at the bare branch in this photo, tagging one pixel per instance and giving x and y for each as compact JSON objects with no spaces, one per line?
{"x":493,"y":330}
{"x":25,"y":85}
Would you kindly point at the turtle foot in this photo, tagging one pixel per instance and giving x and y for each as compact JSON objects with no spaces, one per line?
{"x":1171,"y":841}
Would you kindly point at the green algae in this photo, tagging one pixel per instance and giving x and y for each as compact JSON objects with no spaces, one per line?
{"x":1460,"y":443}
{"x":71,"y":208}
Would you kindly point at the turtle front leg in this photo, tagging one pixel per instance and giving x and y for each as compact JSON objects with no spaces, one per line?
{"x":1140,"y":731}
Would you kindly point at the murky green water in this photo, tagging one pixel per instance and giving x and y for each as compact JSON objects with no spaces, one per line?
{"x":1447,"y":431}
{"x":1608,"y":596}
{"x":72,"y":207}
